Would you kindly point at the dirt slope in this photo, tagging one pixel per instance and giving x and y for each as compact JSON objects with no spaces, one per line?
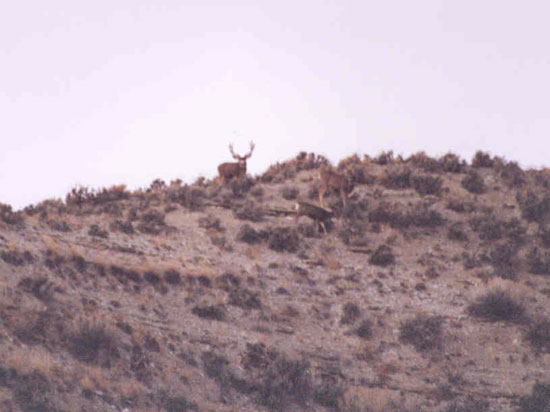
{"x":430,"y":292}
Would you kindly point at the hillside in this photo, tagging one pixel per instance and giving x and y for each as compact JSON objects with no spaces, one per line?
{"x":430,"y":292}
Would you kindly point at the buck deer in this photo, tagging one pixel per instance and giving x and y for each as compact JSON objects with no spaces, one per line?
{"x":336,"y":181}
{"x":229,"y":170}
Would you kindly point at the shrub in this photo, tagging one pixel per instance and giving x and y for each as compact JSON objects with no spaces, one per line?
{"x":423,"y":216}
{"x":538,"y":401}
{"x":384,"y":158}
{"x":460,"y":206}
{"x":249,"y":211}
{"x":152,"y":222}
{"x":8,"y":216}
{"x":511,"y":173}
{"x":473,"y":183}
{"x":365,"y":329}
{"x":96,"y":231}
{"x":210,"y":312}
{"x":538,"y":335}
{"x":93,"y":343}
{"x":451,"y":163}
{"x":503,"y":258}
{"x":497,"y":305}
{"x":534,"y":208}
{"x":249,"y":235}
{"x":422,"y":161}
{"x":58,"y":225}
{"x":427,"y":185}
{"x":241,"y":186}
{"x":17,"y":258}
{"x":487,"y":226}
{"x":289,"y":193}
{"x":538,"y":262}
{"x":172,"y":277}
{"x":456,"y":232}
{"x":544,"y":236}
{"x":283,"y":382}
{"x":423,"y":332}
{"x":178,"y":404}
{"x":382,"y":256}
{"x":399,"y":178}
{"x":283,"y":239}
{"x":244,"y":299}
{"x":482,"y":159}
{"x":350,"y":313}
{"x":124,"y":227}
{"x":191,"y":198}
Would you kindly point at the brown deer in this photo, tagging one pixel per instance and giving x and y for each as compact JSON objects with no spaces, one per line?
{"x":336,"y":181}
{"x":229,"y":170}
{"x":319,"y":215}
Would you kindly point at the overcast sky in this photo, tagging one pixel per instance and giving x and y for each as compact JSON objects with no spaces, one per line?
{"x":106,"y":92}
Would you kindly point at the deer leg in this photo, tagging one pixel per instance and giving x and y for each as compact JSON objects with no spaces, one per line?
{"x":321,"y":196}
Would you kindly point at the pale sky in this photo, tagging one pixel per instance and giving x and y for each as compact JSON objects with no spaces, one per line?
{"x":125,"y":91}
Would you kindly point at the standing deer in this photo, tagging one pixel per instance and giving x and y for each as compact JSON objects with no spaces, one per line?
{"x":319,"y":215}
{"x":229,"y":170}
{"x":336,"y":181}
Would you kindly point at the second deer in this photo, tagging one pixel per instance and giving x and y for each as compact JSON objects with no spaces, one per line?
{"x":332,"y":180}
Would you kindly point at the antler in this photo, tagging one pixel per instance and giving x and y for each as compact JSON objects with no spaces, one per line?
{"x":235,"y":156}
{"x":251,"y":150}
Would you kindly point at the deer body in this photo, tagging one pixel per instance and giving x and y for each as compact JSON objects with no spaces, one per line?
{"x":230,"y":170}
{"x":336,"y":181}
{"x":319,"y":215}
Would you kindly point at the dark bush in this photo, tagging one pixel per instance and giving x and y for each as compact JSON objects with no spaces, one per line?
{"x":427,"y":185}
{"x":244,"y":298}
{"x":152,"y":278}
{"x":249,"y":211}
{"x":497,"y":305}
{"x":96,"y":231}
{"x":93,"y":343}
{"x":284,"y":382}
{"x":350,"y":313}
{"x":283,"y":239}
{"x":503,"y":258}
{"x":289,"y":192}
{"x":178,"y":404}
{"x":538,"y":336}
{"x":460,"y":206}
{"x":451,"y":163}
{"x":423,"y":216}
{"x":241,"y":186}
{"x":211,"y":222}
{"x":538,"y":262}
{"x":31,"y":393}
{"x":365,"y":329}
{"x":191,"y":198}
{"x":58,"y":225}
{"x":422,"y":161}
{"x":457,"y":232}
{"x":382,"y":256}
{"x":249,"y":235}
{"x":216,"y":367}
{"x":172,"y":277}
{"x":544,"y":236}
{"x":391,"y":214}
{"x":534,"y":208}
{"x":423,"y":332}
{"x":488,"y":226}
{"x":399,"y":178}
{"x":210,"y":312}
{"x":124,"y":227}
{"x":473,"y":183}
{"x":538,"y":401}
{"x":16,"y":257}
{"x":482,"y":159}
{"x":384,"y":158}
{"x":511,"y":173}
